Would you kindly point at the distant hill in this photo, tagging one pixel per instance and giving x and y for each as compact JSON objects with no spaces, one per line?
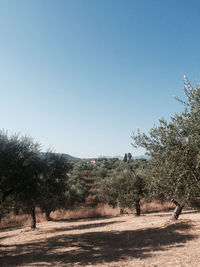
{"x":111,"y":157}
{"x":67,"y":156}
{"x":121,"y":158}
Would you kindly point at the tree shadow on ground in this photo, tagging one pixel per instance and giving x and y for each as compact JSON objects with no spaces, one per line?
{"x":11,"y":228}
{"x":190,"y":211}
{"x":4,"y":237}
{"x":83,"y":219}
{"x":158,"y":211}
{"x":169,"y":214}
{"x":95,"y":247}
{"x":82,"y":227}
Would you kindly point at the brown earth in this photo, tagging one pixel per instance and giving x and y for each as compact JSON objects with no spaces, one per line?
{"x":149,"y":240}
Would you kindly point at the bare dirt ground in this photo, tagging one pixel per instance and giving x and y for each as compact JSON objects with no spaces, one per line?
{"x":149,"y":240}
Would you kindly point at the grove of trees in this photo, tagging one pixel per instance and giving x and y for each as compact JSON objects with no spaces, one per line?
{"x":30,"y":178}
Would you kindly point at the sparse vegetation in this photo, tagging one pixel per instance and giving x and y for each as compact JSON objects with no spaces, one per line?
{"x":81,"y":212}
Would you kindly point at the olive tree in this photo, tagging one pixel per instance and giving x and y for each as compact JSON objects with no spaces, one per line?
{"x":54,"y":183}
{"x":174,"y":148}
{"x":20,"y":169}
{"x":124,"y":187}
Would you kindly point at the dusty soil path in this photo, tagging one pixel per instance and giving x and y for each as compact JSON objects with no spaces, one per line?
{"x":149,"y":240}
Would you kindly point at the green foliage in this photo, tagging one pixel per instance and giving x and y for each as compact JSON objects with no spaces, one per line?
{"x":20,"y":169}
{"x":77,"y":187}
{"x":129,"y":156}
{"x":125,"y":157}
{"x":123,"y":186}
{"x":105,"y":166}
{"x":54,"y":183}
{"x":174,"y":148}
{"x":29,"y":178}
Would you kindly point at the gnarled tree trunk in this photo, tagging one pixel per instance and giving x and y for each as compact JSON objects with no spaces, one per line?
{"x":47,"y":214}
{"x":137,"y":207}
{"x":16,"y":211}
{"x":177,"y":210}
{"x":33,"y":217}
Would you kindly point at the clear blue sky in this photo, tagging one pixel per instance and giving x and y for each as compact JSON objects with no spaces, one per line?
{"x":81,"y":75}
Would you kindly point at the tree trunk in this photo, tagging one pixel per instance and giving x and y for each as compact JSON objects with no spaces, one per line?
{"x":47,"y":214}
{"x":137,"y":207}
{"x":33,"y":225}
{"x":121,"y":211}
{"x":177,"y":210}
{"x":16,"y":210}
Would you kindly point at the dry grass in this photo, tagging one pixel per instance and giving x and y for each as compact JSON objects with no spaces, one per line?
{"x":85,"y":212}
{"x":156,"y":206}
{"x":81,"y":212}
{"x":22,"y":219}
{"x":146,"y":241}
